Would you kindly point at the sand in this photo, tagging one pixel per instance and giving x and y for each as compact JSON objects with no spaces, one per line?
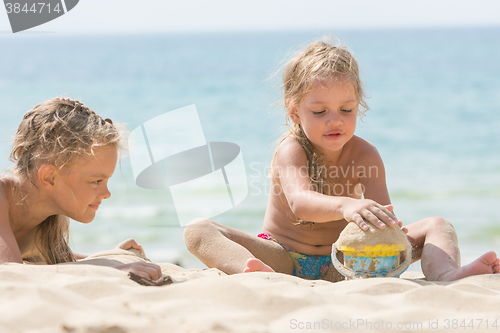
{"x":89,"y":297}
{"x":353,"y":236}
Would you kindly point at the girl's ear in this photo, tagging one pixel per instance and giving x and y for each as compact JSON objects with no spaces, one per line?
{"x":292,"y":112}
{"x":46,"y":175}
{"x":295,"y":117}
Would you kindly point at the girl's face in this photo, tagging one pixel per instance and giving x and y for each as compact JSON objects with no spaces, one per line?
{"x":328,"y":114}
{"x":84,"y":184}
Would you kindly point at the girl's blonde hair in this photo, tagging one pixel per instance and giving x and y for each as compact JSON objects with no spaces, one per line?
{"x":319,"y":61}
{"x":57,"y":132}
{"x":322,"y":61}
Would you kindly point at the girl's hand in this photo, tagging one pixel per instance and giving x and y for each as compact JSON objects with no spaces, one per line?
{"x":400,"y":224}
{"x":358,"y":210}
{"x":131,"y":244}
{"x":144,"y":269}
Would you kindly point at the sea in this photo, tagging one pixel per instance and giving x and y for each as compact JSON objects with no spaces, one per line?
{"x":434,"y":98}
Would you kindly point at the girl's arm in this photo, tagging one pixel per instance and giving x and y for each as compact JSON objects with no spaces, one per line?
{"x":79,"y":256}
{"x":144,"y":269}
{"x":374,"y":184}
{"x":373,"y":181}
{"x":9,"y":250}
{"x":309,"y":205}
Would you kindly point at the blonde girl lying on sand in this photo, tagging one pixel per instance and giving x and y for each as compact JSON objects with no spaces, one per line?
{"x":324,"y":176}
{"x":64,"y":155}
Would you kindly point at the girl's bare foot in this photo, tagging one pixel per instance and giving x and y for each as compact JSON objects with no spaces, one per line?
{"x":255,"y":265}
{"x":488,"y":263}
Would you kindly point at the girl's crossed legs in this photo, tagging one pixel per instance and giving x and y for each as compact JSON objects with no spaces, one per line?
{"x":233,"y":251}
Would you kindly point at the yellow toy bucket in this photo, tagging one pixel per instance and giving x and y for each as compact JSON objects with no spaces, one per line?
{"x":365,"y":258}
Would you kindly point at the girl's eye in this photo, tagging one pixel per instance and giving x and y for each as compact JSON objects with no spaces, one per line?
{"x":346,"y":111}
{"x":318,"y":112}
{"x":97,"y":181}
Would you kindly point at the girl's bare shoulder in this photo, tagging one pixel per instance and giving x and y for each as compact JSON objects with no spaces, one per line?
{"x":8,"y":181}
{"x":289,"y":143}
{"x":362,"y":148}
{"x":7,"y":184}
{"x":290,"y":149}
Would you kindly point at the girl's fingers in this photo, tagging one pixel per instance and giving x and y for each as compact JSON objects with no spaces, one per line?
{"x":131,"y":244}
{"x":153,"y":270}
{"x":360,"y":222}
{"x":127,"y":244}
{"x":141,"y":273}
{"x":387,"y":216}
{"x":143,"y":269}
{"x":374,"y":219}
{"x":388,"y":212}
{"x":138,"y":248}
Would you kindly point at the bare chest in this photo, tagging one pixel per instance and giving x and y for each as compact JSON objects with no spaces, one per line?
{"x":342,"y":180}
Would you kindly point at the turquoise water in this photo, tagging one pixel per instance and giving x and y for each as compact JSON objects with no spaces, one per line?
{"x":435,"y":100}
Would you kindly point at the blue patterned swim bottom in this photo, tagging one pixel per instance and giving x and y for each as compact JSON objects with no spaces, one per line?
{"x":307,"y":266}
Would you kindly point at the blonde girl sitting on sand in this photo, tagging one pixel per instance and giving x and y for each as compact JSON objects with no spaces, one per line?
{"x":64,"y":155}
{"x":323,"y":177}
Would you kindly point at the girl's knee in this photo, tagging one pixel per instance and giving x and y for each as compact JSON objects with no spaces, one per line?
{"x":440,"y":224}
{"x":436,"y":221}
{"x":199,"y":222}
{"x":195,"y":231}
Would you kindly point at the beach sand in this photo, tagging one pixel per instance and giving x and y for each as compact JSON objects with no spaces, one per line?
{"x":89,"y":297}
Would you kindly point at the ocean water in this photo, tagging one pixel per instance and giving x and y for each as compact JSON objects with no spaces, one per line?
{"x":434,"y":117}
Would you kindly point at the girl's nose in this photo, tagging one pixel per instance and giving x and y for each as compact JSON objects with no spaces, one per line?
{"x":106,"y":194}
{"x":334,"y":119}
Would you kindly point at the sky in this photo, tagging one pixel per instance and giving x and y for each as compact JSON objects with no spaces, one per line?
{"x":127,"y":16}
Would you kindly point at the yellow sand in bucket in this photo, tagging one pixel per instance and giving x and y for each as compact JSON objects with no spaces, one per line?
{"x":371,"y":253}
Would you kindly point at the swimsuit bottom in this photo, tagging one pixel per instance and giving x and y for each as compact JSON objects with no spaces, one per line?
{"x":311,"y":267}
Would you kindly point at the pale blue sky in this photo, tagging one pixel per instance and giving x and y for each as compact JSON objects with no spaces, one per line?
{"x":110,"y":16}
